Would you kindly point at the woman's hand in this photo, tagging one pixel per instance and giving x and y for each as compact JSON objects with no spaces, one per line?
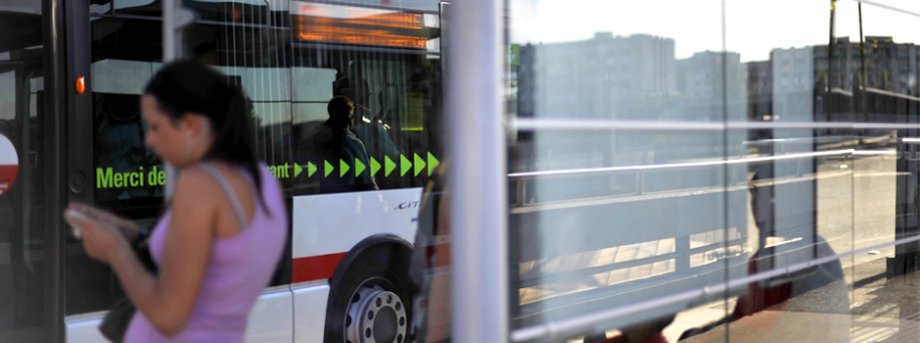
{"x":102,"y":241}
{"x":127,"y":228}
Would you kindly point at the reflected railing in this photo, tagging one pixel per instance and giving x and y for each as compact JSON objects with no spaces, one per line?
{"x":567,"y":327}
{"x":551,"y":124}
{"x":519,"y":178}
{"x":680,"y":248}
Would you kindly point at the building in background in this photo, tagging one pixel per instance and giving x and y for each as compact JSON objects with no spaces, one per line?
{"x":608,"y":76}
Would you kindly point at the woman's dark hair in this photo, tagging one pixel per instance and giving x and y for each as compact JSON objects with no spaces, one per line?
{"x":186,"y":86}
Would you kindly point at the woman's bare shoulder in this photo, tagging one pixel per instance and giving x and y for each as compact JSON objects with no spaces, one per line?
{"x":195,"y":186}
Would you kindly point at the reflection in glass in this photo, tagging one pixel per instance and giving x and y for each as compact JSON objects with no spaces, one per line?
{"x":606,"y":219}
{"x":659,"y":155}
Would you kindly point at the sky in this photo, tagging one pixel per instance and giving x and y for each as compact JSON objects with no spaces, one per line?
{"x":753,"y":28}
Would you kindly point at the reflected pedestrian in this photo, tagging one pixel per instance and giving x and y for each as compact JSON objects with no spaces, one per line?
{"x":429,"y":268}
{"x":818,"y":289}
{"x":651,"y":331}
{"x":217,"y":244}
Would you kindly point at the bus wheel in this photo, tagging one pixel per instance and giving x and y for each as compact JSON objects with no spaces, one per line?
{"x":371,"y":303}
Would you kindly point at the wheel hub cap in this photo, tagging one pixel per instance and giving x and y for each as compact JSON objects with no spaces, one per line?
{"x":375,"y":315}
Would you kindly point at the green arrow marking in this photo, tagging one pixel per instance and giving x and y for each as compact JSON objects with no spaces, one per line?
{"x":388,"y":165}
{"x":419,"y":164}
{"x":297,"y":170}
{"x":375,"y":166}
{"x":311,"y":169}
{"x":328,"y":170}
{"x":432,"y":163}
{"x":343,"y":168}
{"x":404,"y":165}
{"x":359,"y":167}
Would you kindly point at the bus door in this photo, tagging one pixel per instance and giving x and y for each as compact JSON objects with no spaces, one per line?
{"x":29,"y":203}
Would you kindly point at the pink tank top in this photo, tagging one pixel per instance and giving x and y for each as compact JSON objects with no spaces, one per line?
{"x":238,"y":270}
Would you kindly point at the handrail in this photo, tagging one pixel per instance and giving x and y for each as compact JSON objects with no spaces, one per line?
{"x":689,"y":165}
{"x":564,"y":124}
{"x":799,"y":139}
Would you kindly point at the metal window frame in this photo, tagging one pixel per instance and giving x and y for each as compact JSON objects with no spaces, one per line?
{"x":56,"y":126}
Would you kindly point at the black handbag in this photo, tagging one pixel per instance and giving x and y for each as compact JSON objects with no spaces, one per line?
{"x":116,"y":321}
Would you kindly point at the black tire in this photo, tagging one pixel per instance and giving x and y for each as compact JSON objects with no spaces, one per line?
{"x":383,"y":265}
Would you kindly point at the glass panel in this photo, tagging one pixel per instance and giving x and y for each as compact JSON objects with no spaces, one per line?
{"x":24,"y":263}
{"x":829,"y":185}
{"x":614,"y":203}
{"x":885,"y":183}
{"x":795,"y":185}
{"x":802,"y":194}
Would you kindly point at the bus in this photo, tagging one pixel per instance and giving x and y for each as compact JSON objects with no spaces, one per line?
{"x":72,"y":75}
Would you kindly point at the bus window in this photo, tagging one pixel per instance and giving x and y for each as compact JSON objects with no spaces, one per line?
{"x":253,"y":57}
{"x":137,"y":7}
{"x":396,"y":112}
{"x":387,"y":63}
{"x":126,"y":171}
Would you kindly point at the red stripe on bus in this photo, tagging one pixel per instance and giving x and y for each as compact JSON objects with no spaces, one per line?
{"x":315,"y":267}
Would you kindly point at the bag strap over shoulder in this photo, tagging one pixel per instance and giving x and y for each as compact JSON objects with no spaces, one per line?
{"x":234,"y":200}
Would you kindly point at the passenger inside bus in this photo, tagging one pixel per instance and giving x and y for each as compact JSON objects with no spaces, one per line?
{"x":375,"y":133}
{"x":336,"y":142}
{"x":372,"y":129}
{"x":119,"y":131}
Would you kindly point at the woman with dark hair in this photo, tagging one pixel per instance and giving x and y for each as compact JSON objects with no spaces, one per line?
{"x":223,"y":231}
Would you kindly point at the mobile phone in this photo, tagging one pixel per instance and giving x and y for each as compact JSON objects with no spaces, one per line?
{"x":72,"y":213}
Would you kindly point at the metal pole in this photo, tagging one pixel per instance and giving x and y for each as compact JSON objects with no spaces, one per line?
{"x":477,"y":184}
{"x":169,"y":54}
{"x":169,"y":30}
{"x":175,"y":18}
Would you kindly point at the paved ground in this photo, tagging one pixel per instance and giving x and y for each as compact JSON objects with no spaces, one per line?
{"x":889,"y":312}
